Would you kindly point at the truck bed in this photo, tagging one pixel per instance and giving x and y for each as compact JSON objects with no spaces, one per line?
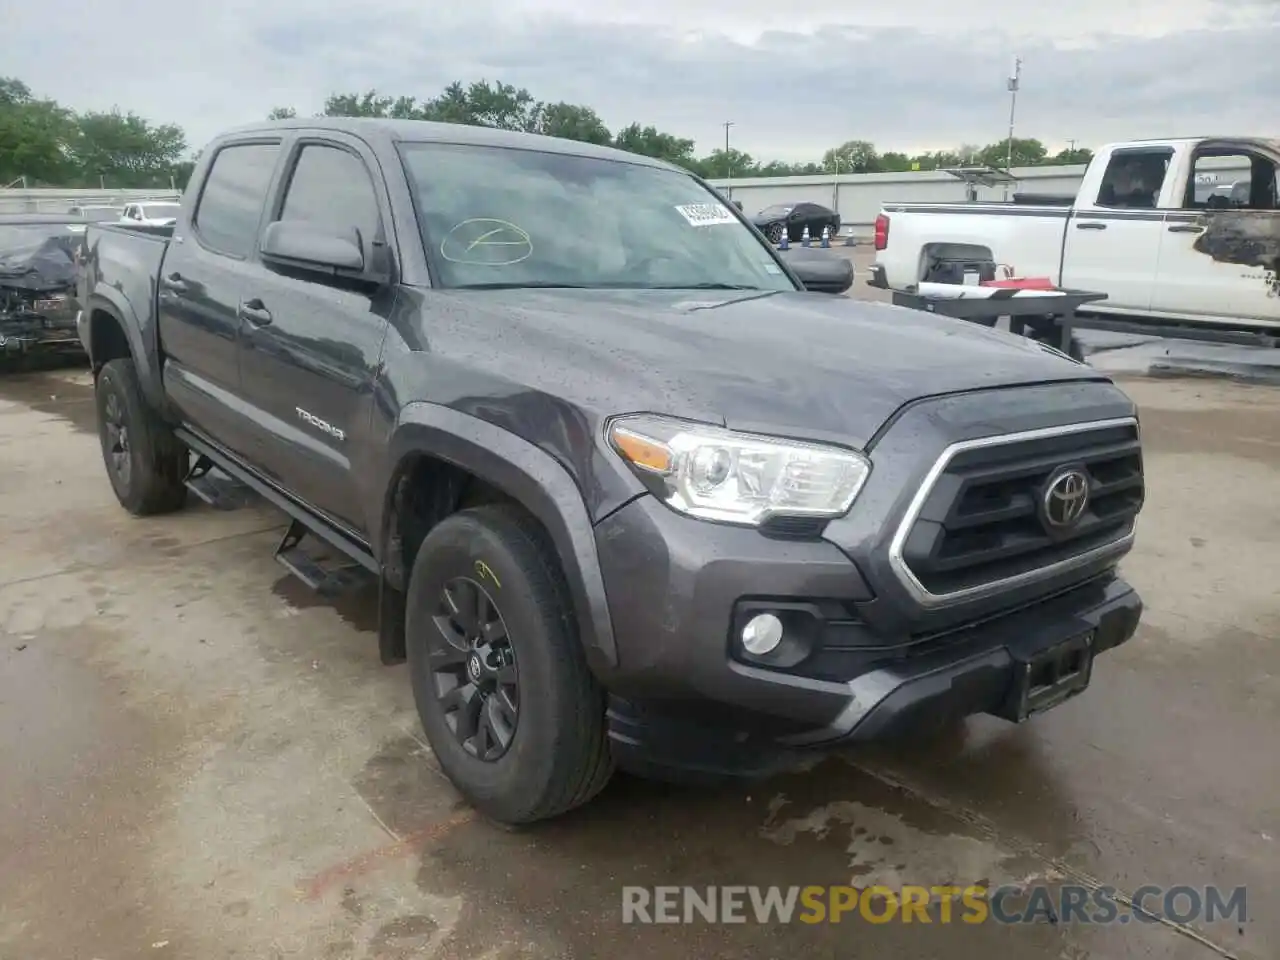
{"x":122,"y":265}
{"x":1023,"y":239}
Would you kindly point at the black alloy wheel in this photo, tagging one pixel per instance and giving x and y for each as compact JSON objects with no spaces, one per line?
{"x":473,"y":668}
{"x":115,"y":439}
{"x":775,"y":233}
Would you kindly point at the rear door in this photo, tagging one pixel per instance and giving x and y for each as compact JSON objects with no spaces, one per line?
{"x":1220,"y":249}
{"x":311,"y":345}
{"x":201,"y":284}
{"x":1112,"y":244}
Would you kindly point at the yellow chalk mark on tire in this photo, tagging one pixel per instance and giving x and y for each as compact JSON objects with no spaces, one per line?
{"x":483,"y":570}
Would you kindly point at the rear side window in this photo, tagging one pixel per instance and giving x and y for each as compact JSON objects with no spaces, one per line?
{"x":330,"y":188}
{"x":233,"y":196}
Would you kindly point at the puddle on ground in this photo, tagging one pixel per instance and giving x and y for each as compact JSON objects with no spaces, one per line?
{"x":356,"y":606}
{"x":556,"y":888}
{"x":65,"y":392}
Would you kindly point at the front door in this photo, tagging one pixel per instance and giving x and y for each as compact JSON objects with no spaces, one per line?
{"x":311,"y":345}
{"x":1220,"y":253}
{"x":1112,"y":244}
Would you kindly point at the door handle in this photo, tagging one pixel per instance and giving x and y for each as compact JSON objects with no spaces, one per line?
{"x":1186,"y":228}
{"x":255,"y":312}
{"x":1090,"y":225}
{"x":174,"y":283}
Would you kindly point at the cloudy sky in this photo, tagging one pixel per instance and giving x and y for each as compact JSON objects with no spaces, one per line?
{"x":920,"y":74}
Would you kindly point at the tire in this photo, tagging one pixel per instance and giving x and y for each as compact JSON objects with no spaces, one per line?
{"x":775,"y":233}
{"x":146,"y":464}
{"x":556,"y":756}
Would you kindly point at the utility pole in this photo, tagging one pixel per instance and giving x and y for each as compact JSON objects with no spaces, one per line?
{"x":728,"y":161}
{"x":835,"y":187}
{"x":1015,"y":78}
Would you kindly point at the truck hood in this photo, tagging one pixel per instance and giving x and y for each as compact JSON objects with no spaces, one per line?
{"x":803,"y":365}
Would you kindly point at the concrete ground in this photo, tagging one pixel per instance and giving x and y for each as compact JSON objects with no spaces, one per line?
{"x":200,"y":760}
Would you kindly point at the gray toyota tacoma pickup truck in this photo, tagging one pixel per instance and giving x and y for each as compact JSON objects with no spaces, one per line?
{"x":635,"y":494}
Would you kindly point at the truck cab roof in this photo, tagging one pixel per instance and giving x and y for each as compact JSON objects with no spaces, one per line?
{"x":429,"y":131}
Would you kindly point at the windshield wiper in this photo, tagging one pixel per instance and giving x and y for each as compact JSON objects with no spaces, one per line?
{"x":705,"y":286}
{"x":521,"y":285}
{"x":547,"y":285}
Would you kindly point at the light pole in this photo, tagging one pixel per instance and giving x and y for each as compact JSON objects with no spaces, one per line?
{"x":1015,"y":76}
{"x":728,"y":161}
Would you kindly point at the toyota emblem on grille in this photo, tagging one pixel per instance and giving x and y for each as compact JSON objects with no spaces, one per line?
{"x":1065,"y":498}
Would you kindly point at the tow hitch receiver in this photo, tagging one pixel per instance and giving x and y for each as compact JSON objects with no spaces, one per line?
{"x":1052,"y":676}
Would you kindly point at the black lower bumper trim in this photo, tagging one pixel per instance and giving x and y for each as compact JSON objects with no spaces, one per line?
{"x":983,"y":669}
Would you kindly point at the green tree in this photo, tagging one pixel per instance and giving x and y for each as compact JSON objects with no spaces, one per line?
{"x":282,"y":113}
{"x":780,"y":168}
{"x":731,"y":163}
{"x":368,"y":104}
{"x":651,"y":142}
{"x":35,"y":137}
{"x":1026,"y":153}
{"x":1072,"y":155}
{"x":853,"y":156}
{"x":124,"y":150}
{"x":573,"y":122}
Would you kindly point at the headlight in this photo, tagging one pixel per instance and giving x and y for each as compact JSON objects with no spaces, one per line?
{"x":718,"y":474}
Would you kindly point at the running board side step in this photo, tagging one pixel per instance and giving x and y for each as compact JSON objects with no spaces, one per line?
{"x":320,"y":570}
{"x":218,"y":490}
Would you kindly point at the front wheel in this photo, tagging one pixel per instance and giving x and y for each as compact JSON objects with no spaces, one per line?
{"x":775,"y":233}
{"x":500,"y":681}
{"x":146,"y":463}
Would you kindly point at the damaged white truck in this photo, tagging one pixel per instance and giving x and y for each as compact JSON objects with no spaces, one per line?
{"x":1182,"y":233}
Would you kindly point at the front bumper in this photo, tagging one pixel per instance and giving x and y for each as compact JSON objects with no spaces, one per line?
{"x":685,"y":698}
{"x":28,"y":333}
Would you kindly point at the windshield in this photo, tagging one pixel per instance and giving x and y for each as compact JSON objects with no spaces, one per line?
{"x":23,"y":239}
{"x":777,"y":210}
{"x":493,"y":216}
{"x":160,"y":211}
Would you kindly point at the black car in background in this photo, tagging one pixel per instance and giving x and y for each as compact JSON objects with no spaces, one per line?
{"x":793,"y":218}
{"x":39,"y":257}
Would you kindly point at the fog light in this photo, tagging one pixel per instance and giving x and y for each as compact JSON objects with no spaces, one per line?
{"x":762,"y":634}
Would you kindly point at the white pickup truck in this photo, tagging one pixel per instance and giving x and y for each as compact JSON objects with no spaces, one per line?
{"x":1183,"y":231}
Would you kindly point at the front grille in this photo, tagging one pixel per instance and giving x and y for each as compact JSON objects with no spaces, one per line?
{"x":982,"y":519}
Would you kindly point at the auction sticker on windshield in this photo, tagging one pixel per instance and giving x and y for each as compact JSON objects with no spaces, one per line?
{"x":706,"y":214}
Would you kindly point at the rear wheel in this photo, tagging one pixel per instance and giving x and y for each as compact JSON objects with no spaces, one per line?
{"x":499,"y":678}
{"x":146,"y":463}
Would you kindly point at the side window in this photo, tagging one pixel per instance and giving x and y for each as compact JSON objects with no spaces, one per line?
{"x":330,"y":188}
{"x":1233,"y":181}
{"x":1133,"y":179}
{"x":234,"y":193}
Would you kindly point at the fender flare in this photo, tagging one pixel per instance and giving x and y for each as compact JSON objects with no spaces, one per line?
{"x":112,"y":302}
{"x":527,"y":474}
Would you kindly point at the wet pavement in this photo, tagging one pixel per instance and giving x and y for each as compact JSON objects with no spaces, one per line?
{"x":199,"y":759}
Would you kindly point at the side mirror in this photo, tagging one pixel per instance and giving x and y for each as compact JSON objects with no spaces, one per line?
{"x":826,"y":275}
{"x":303,"y":246}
